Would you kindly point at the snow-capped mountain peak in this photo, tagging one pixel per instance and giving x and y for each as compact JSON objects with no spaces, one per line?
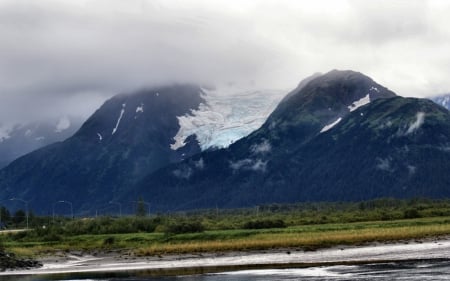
{"x":443,"y":100}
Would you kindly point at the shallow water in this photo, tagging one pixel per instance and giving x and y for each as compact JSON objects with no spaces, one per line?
{"x":417,"y":270}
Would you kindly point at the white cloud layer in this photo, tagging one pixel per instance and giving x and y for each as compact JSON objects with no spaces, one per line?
{"x":66,"y":56}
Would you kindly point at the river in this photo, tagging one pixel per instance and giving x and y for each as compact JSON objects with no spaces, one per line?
{"x":406,"y":270}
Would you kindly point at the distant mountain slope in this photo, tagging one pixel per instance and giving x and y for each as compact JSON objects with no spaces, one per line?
{"x":129,"y":136}
{"x":340,"y":137}
{"x":443,"y":100}
{"x":395,"y":147}
{"x":21,"y":139}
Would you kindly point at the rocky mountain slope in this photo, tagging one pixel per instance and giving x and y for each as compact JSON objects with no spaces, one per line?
{"x":20,"y":139}
{"x":126,"y":138}
{"x":339,"y":137}
{"x":443,"y":100}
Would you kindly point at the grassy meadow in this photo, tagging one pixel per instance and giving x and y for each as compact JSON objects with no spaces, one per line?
{"x":293,"y":227}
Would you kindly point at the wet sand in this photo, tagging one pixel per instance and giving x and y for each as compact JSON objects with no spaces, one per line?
{"x":283,"y":258}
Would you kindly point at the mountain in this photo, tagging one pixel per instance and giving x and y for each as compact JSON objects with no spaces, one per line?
{"x":20,"y":139}
{"x":443,"y":100}
{"x":337,"y":136}
{"x":340,"y":136}
{"x":126,"y":138}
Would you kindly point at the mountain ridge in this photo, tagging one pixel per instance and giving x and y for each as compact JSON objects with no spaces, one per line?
{"x":128,"y":136}
{"x":20,"y":139}
{"x":337,"y":136}
{"x":353,"y":166}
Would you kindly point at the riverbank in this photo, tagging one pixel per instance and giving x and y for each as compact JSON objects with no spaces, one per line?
{"x":75,"y":262}
{"x":9,"y":261}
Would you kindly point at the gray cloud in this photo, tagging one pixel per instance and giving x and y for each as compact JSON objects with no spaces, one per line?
{"x":67,"y":56}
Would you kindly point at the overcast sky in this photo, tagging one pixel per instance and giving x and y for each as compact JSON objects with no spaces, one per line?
{"x":68,"y":56}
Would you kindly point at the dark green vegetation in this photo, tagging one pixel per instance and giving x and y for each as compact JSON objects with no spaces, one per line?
{"x":304,"y":226}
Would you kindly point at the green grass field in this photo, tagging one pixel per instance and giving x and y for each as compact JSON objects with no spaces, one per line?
{"x":306,"y":237}
{"x":306,"y":226}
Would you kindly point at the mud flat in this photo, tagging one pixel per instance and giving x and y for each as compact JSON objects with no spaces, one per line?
{"x":217,"y":262}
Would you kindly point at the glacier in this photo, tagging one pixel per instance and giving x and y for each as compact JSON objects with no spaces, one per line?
{"x":228,"y":114}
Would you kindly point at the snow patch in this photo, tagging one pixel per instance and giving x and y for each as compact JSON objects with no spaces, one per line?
{"x":249,"y":164}
{"x":259,"y":165}
{"x":100,"y":138}
{"x":239,"y":164}
{"x":446,"y":101}
{"x":411,"y":170}
{"x":63,"y":124}
{"x":227,"y":115}
{"x":329,"y":126}
{"x":184,"y":172}
{"x":200,"y":164}
{"x":140,"y":108}
{"x":356,"y":104}
{"x":374,"y":89}
{"x":122,"y":111}
{"x":261,"y":148}
{"x":384,"y":164}
{"x":420,"y":118}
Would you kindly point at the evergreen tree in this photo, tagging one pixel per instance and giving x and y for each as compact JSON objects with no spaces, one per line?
{"x":141,"y":210}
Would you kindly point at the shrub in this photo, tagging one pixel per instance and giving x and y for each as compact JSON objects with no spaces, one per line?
{"x":109,"y":241}
{"x":411,"y":213}
{"x":185,"y":227}
{"x":51,"y":237}
{"x":260,"y":224}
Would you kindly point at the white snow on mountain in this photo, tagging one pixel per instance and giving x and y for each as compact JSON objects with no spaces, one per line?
{"x":374,"y":89}
{"x":420,"y":119}
{"x":18,"y":139}
{"x":443,"y":100}
{"x":63,"y":124}
{"x":140,"y":108}
{"x":122,"y":111}
{"x":229,"y":113}
{"x":446,"y":101}
{"x":356,"y":104}
{"x":329,"y":126}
